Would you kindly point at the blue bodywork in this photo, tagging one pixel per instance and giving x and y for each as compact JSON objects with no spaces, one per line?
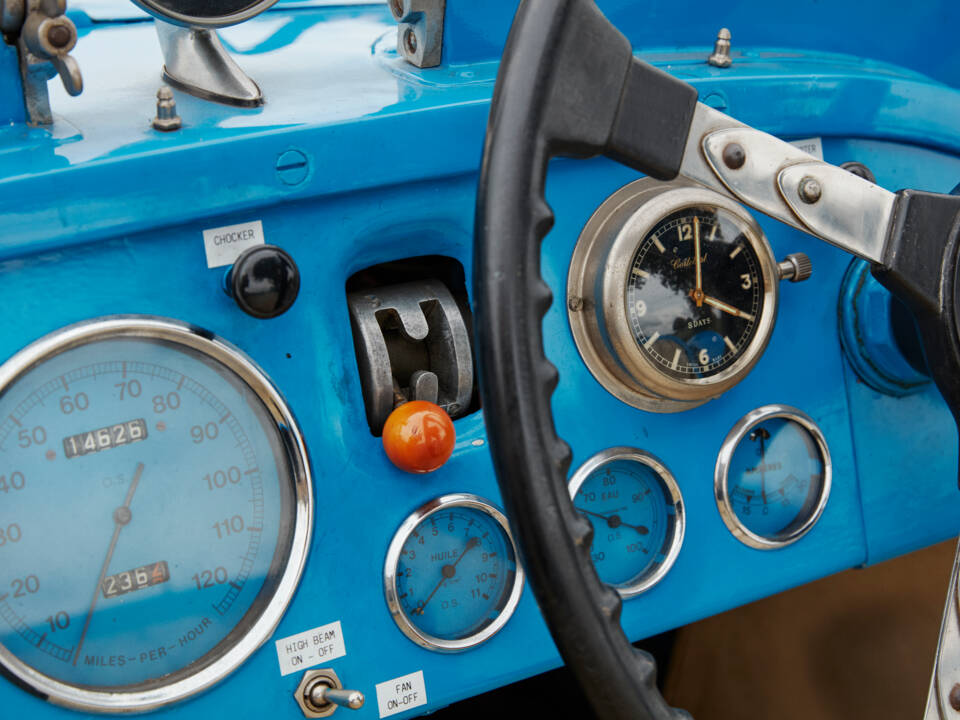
{"x":104,"y":215}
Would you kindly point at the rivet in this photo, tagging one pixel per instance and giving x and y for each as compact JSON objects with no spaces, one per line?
{"x":734,"y":156}
{"x":59,"y":36}
{"x":955,"y":697}
{"x":809,"y":190}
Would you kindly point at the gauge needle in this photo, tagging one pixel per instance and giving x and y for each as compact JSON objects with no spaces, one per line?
{"x":448,"y":572}
{"x":614,"y":521}
{"x":720,"y":305}
{"x":697,"y":294}
{"x":121,"y":517}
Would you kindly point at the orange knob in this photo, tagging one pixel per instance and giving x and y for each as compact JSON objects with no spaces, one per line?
{"x":419,"y":437}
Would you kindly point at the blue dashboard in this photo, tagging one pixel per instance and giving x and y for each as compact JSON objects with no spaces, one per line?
{"x":104,"y":216}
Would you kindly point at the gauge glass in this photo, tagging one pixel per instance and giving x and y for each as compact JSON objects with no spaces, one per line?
{"x":636,"y":510}
{"x":775,"y":473}
{"x":692,"y":329}
{"x":154,"y":512}
{"x":452,"y":578}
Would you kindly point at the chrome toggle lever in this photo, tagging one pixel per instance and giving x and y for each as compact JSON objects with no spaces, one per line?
{"x":320,"y":693}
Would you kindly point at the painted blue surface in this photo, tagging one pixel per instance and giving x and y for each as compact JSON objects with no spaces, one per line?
{"x":104,"y":215}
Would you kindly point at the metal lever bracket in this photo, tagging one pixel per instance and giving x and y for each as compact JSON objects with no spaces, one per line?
{"x":44,"y":39}
{"x":420,"y":30}
{"x":412,"y":344}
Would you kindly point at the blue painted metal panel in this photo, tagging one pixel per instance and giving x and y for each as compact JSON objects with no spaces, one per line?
{"x":107,"y":218}
{"x":920,"y":39}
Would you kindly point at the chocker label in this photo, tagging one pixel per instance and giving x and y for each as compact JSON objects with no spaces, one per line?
{"x":224,"y":245}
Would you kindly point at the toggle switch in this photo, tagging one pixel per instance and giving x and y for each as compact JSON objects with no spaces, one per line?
{"x":320,"y":693}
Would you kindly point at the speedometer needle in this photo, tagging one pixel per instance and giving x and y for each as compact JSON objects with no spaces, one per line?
{"x":448,"y":572}
{"x":121,"y":517}
{"x":720,"y":305}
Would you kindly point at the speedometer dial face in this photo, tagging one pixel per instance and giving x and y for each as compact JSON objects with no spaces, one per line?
{"x":695,"y":292}
{"x":451,"y":577}
{"x":154,"y":513}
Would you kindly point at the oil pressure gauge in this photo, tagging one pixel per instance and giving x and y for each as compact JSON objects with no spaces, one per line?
{"x":772,"y":478}
{"x":451,"y":578}
{"x":673,"y":294}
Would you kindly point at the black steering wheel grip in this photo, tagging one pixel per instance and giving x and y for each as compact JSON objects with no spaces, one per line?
{"x":568,"y":85}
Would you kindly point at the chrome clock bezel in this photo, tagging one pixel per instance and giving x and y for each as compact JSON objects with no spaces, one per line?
{"x":229,"y":356}
{"x":643,"y":581}
{"x":432,"y":507}
{"x":597,"y":287}
{"x":722,"y":468}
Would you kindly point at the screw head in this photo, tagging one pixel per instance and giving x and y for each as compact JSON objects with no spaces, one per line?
{"x":293,"y":167}
{"x":734,"y":156}
{"x":575,"y":304}
{"x":810,"y":190}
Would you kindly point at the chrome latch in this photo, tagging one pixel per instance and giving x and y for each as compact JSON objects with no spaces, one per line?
{"x":44,"y":39}
{"x":412,"y":343}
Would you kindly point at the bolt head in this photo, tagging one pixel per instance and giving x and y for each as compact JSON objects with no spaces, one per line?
{"x":734,"y":156}
{"x":59,"y":36}
{"x":810,"y":190}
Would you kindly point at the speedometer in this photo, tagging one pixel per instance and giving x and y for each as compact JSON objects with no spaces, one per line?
{"x":155,"y":510}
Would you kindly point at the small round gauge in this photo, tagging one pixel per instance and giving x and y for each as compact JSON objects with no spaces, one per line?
{"x":451,"y":577}
{"x":636,"y":510}
{"x":772,"y":478}
{"x":673,"y":294}
{"x":155,"y":510}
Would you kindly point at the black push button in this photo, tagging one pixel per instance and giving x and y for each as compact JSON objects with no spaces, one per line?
{"x":264,"y":281}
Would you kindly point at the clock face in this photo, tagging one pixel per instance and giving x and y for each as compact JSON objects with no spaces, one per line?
{"x":695,"y":292}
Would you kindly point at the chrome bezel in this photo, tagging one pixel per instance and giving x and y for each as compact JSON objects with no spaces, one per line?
{"x":262,"y":628}
{"x":393,"y":558}
{"x":645,"y":580}
{"x":194,"y":21}
{"x":721,"y":471}
{"x":597,"y":284}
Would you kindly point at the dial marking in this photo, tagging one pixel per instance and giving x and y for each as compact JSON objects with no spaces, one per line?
{"x":641,"y":273}
{"x":651,"y":340}
{"x":729,"y":344}
{"x":713,"y":233}
{"x":658,"y":244}
{"x":676,"y":360}
{"x":736,"y":251}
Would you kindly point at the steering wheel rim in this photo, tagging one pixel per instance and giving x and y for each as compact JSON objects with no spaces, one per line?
{"x":551,"y":100}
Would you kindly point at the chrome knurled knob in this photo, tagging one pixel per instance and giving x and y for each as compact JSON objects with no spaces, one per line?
{"x":796,"y":267}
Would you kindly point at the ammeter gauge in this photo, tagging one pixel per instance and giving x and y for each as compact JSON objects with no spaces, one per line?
{"x":451,"y":577}
{"x":636,"y":510}
{"x":772,"y":478}
{"x":673,"y":294}
{"x":155,"y":513}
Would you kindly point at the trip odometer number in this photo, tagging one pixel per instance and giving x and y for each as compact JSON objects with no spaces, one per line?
{"x":136,"y":456}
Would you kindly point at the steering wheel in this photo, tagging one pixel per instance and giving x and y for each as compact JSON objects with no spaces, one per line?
{"x":570,"y":85}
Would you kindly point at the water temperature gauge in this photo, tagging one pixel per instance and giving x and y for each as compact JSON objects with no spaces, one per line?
{"x":636,"y":510}
{"x":451,"y":577}
{"x":772,"y":478}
